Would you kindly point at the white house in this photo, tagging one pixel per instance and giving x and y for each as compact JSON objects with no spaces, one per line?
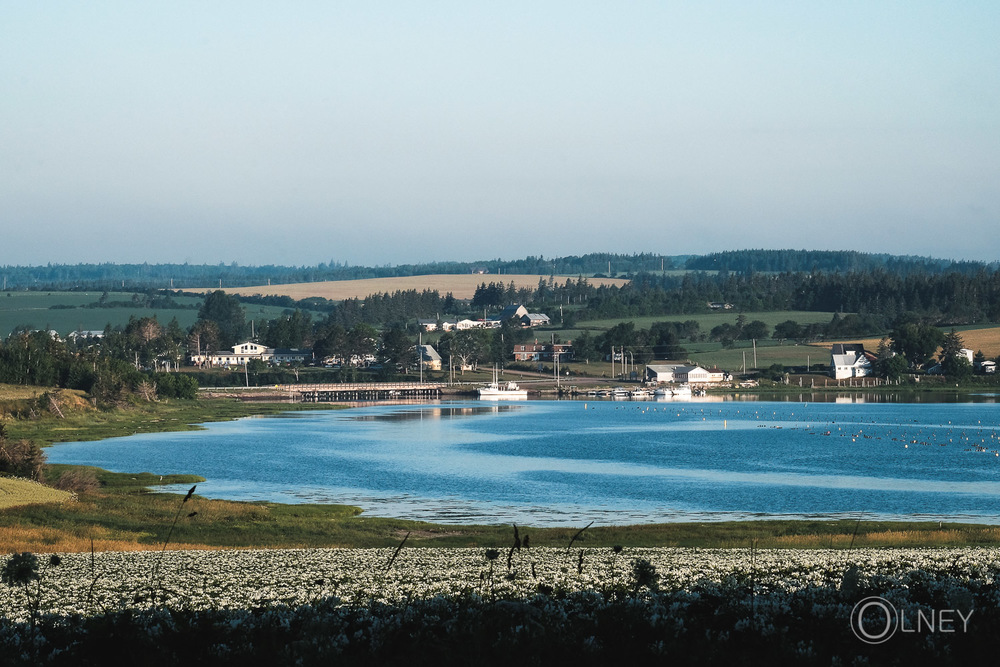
{"x":244,"y":352}
{"x":849,"y":360}
{"x":462,"y":325}
{"x":718,"y":375}
{"x":685,"y":373}
{"x":692,"y":375}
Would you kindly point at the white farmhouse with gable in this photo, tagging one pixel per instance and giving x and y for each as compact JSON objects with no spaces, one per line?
{"x":849,"y":360}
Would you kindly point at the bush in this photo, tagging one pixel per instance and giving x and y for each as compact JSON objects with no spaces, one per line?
{"x":175,"y":385}
{"x":77,"y":480}
{"x":21,"y":458}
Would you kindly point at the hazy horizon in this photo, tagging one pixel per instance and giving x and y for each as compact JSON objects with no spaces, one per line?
{"x":388,"y":133}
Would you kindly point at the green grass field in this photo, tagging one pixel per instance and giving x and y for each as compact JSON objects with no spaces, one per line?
{"x":709,"y":320}
{"x":34,"y":310}
{"x":731,"y":359}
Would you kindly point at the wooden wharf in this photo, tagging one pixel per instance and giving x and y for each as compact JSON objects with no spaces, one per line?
{"x":336,"y":392}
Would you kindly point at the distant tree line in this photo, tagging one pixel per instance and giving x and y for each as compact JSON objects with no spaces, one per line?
{"x":811,"y":261}
{"x":947,"y":298}
{"x":133,"y":277}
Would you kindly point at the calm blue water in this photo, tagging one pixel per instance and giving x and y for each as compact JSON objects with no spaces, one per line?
{"x":570,"y":462}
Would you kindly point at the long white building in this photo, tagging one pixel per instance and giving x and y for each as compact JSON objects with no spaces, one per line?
{"x":244,"y":352}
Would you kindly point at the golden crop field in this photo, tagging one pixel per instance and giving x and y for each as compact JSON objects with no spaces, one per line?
{"x":985,"y":340}
{"x":15,"y":491}
{"x":462,"y":286}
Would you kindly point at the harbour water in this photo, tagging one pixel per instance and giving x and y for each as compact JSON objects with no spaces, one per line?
{"x":572,"y":462}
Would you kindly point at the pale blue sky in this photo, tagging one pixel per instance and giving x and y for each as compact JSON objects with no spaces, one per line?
{"x":395,"y":132}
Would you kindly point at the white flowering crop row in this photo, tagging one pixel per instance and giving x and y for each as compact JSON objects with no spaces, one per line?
{"x":493,"y":607}
{"x":196,"y":580}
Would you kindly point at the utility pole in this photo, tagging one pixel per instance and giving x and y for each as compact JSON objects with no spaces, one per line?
{"x":754,"y":352}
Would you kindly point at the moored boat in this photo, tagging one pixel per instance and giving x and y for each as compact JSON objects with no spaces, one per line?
{"x":495,"y":391}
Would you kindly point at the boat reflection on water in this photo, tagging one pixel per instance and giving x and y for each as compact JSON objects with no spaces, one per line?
{"x":436,"y":412}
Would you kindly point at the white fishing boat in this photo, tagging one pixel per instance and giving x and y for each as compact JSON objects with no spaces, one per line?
{"x":495,"y":391}
{"x":639,"y":394}
{"x":681,"y":390}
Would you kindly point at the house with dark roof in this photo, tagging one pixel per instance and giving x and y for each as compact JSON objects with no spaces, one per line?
{"x":521,"y":314}
{"x":543,"y":351}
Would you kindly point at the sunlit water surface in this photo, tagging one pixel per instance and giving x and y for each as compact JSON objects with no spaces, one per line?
{"x":572,"y":462}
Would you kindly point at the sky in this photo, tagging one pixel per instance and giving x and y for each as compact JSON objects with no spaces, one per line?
{"x":378,"y":133}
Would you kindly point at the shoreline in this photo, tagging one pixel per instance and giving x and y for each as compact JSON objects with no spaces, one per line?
{"x":781,"y":532}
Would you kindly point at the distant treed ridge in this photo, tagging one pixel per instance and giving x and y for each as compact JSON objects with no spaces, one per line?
{"x":140,"y":276}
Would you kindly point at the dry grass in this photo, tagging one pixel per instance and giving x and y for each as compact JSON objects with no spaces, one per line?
{"x":889,"y":538}
{"x":40,"y":539}
{"x":15,"y":492}
{"x":17,"y":392}
{"x":73,"y":398}
{"x":462,"y":286}
{"x":985,"y":340}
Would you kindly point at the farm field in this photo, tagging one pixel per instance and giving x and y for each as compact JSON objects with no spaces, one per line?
{"x":65,"y":312}
{"x":15,"y":492}
{"x":297,"y":576}
{"x":575,"y":605}
{"x":462,"y":286}
{"x":790,"y":354}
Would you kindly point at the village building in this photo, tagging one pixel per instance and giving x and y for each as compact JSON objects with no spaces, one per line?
{"x":245,"y":352}
{"x":849,"y":360}
{"x":543,"y":352}
{"x":716,"y":374}
{"x":521,"y":314}
{"x":692,"y":375}
{"x":682,"y":373}
{"x":511,"y":312}
{"x":460,"y":325}
{"x":430,"y":360}
{"x":662,"y":372}
{"x":82,"y":334}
